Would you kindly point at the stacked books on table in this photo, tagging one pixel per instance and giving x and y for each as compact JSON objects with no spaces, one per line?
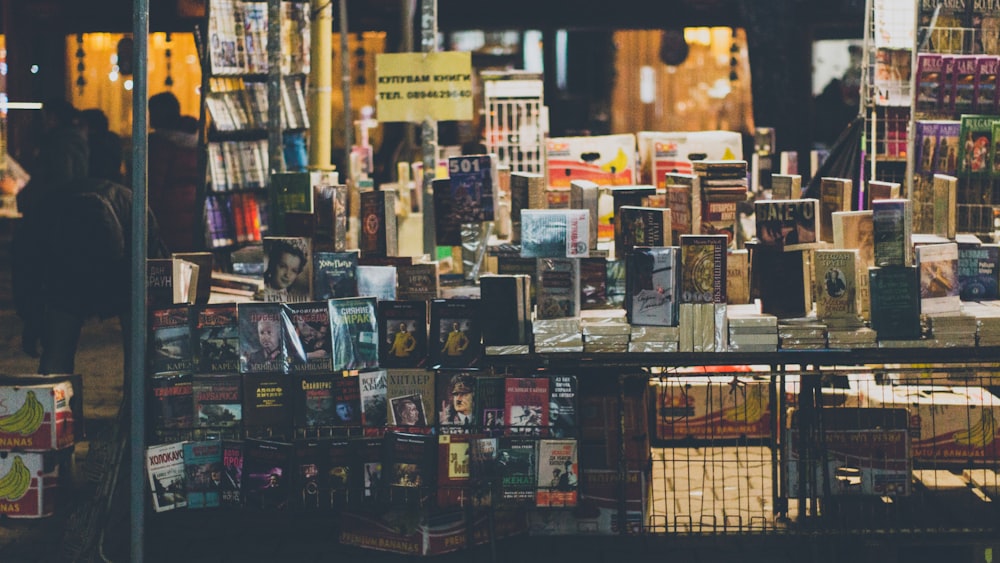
{"x":804,"y":333}
{"x":752,"y":331}
{"x":860,"y":337}
{"x":654,"y":339}
{"x":557,"y":335}
{"x":605,"y":331}
{"x":953,"y":330}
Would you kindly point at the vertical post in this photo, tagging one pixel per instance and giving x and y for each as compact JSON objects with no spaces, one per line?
{"x":320,"y":84}
{"x":275,"y":157}
{"x":135,"y":382}
{"x":407,"y":13}
{"x":622,"y":519}
{"x":345,"y":86}
{"x":429,"y":133}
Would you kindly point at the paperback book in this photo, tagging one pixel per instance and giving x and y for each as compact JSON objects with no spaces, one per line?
{"x":402,"y":334}
{"x":287,"y":269}
{"x":489,"y":404}
{"x":289,"y":191}
{"x":558,"y":292}
{"x":203,"y":469}
{"x":979,"y":272}
{"x":335,"y":275}
{"x":366,"y":485}
{"x":454,"y":393}
{"x":939,"y":286}
{"x":409,"y":468}
{"x":262,"y":340}
{"x":378,"y":282}
{"x":171,"y":346}
{"x":410,"y":393}
{"x":563,"y":421}
{"x":517,"y":464}
{"x":374,"y":413}
{"x":217,"y":337}
{"x":558,"y":472}
{"x":474,"y":186}
{"x":506,"y":310}
{"x":455,"y":333}
{"x":895,"y":307}
{"x":165,"y":470}
{"x":836,"y":274}
{"x":892,"y":229}
{"x":378,"y":224}
{"x":526,"y":406}
{"x":267,"y":474}
{"x":835,"y":195}
{"x":314,"y":409}
{"x":703,"y":268}
{"x":311,"y":487}
{"x":652,"y":276}
{"x":232,"y":474}
{"x":354,"y":333}
{"x":267,"y":405}
{"x":218,"y":404}
{"x":172,"y":404}
{"x":307,"y":336}
{"x":641,"y":226}
{"x":453,"y":489}
{"x":418,"y":282}
{"x":788,"y":224}
{"x":555,"y":233}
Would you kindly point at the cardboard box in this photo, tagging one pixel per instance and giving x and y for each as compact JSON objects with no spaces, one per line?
{"x":432,"y":534}
{"x":597,"y":510}
{"x":28,"y":483}
{"x":715,"y":407}
{"x":36,"y":417}
{"x":609,"y":160}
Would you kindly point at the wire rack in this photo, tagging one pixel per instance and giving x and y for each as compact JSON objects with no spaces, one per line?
{"x":514,"y":119}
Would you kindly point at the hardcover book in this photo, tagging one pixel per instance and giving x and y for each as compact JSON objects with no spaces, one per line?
{"x":410,"y":394}
{"x":474,"y":186}
{"x":703,"y":268}
{"x":374,"y":405}
{"x":526,"y":406}
{"x":788,"y":224}
{"x":203,"y":282}
{"x":939,"y":287}
{"x":974,"y":166}
{"x":979,"y":272}
{"x":262,"y":341}
{"x":583,"y":194}
{"x":159,"y":283}
{"x":449,"y":214}
{"x":455,"y":333}
{"x":172,"y":407}
{"x":354,"y":332}
{"x":653,"y":281}
{"x":895,"y":307}
{"x":267,"y":405}
{"x":217,"y":337}
{"x":378,"y":282}
{"x":378,"y":224}
{"x":786,"y":186}
{"x":347,"y":401}
{"x":418,"y":282}
{"x":593,"y":283}
{"x":517,"y":464}
{"x":218,"y":404}
{"x":527,"y":191}
{"x":409,"y":468}
{"x":836,"y":274}
{"x":892,"y":228}
{"x":783,"y":296}
{"x":307,"y":336}
{"x":366,"y":485}
{"x":402,"y":334}
{"x":165,"y":470}
{"x":738,"y":276}
{"x":311,"y":489}
{"x":314,"y":406}
{"x":946,"y":152}
{"x":558,"y":473}
{"x":232,"y":475}
{"x":558,"y":288}
{"x":563,"y":421}
{"x":203,"y":469}
{"x":289,"y":191}
{"x":985,"y":99}
{"x":555,"y":233}
{"x":484,"y":469}
{"x":641,"y":226}
{"x":684,"y":201}
{"x":929,"y":83}
{"x":453,"y":471}
{"x":945,"y":205}
{"x":506,"y":310}
{"x":489,"y":393}
{"x":454,"y":395}
{"x":335,"y":275}
{"x":835,"y":195}
{"x":338,"y":466}
{"x":963,"y":87}
{"x":287,"y":269}
{"x":171,"y":346}
{"x":267,"y":475}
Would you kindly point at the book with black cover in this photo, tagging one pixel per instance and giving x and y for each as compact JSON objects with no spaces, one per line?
{"x":289,"y":191}
{"x":267,"y":405}
{"x":563,"y":422}
{"x":335,"y":275}
{"x":230,"y":494}
{"x":402,"y":334}
{"x":517,"y":463}
{"x":378,"y":224}
{"x":489,"y":404}
{"x":504,"y":311}
{"x":366,"y":471}
{"x":159,"y":283}
{"x":593,"y":283}
{"x":455,"y":337}
{"x":354,"y":333}
{"x":338,"y":467}
{"x":409,"y":468}
{"x":781,"y":295}
{"x":216,"y":336}
{"x":171,"y":404}
{"x":267,"y":474}
{"x":314,"y":410}
{"x":895,"y":307}
{"x":307,"y":336}
{"x":311,"y":487}
{"x":262,"y":341}
{"x":979,"y":272}
{"x":448,"y":216}
{"x":641,"y":226}
{"x":170,"y":340}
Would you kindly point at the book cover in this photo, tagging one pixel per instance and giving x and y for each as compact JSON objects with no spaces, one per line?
{"x":484,"y":469}
{"x":593,"y":283}
{"x":979,"y":272}
{"x":517,"y":467}
{"x":939,"y":287}
{"x":287,"y":269}
{"x":170,"y":340}
{"x":347,"y":401}
{"x":965,"y":72}
{"x":783,"y":296}
{"x":338,"y":465}
{"x":289,"y":191}
{"x":555,"y":233}
{"x":737,"y":276}
{"x":944,"y":197}
{"x":232,"y":474}
{"x":455,"y":333}
{"x":563,"y":422}
{"x":703,"y":268}
{"x":218,"y":404}
{"x":203,"y":473}
{"x":835,"y":195}
{"x":159,"y":283}
{"x":203,"y":284}
{"x":267,"y":474}
{"x":489,"y":404}
{"x":505,"y":313}
{"x":378,"y":224}
{"x":314,"y":405}
{"x":172,"y":402}
{"x":652,"y":276}
{"x":836,"y":274}
{"x":453,"y":471}
{"x":684,"y":201}
{"x":615,"y":291}
{"x":261,"y":340}
{"x":474,"y":186}
{"x":557,"y":473}
{"x":409,"y":468}
{"x":641,"y":226}
{"x":165,"y":470}
{"x":583,"y":194}
{"x":307,"y":336}
{"x":267,"y":404}
{"x":366,"y":470}
{"x":377,"y":281}
{"x":410,"y":394}
{"x":449,"y":214}
{"x":335,"y":275}
{"x":402,"y":334}
{"x":354,"y":332}
{"x":925,"y":141}
{"x":374,"y":404}
{"x":454,"y":398}
{"x":985,"y":96}
{"x":946,"y":152}
{"x":418,"y":282}
{"x":526,"y":406}
{"x":217,"y":338}
{"x":892,"y":229}
{"x":895,"y":302}
{"x":975,"y":141}
{"x":558,"y":288}
{"x":311,"y":489}
{"x":854,"y":229}
{"x":928,"y":81}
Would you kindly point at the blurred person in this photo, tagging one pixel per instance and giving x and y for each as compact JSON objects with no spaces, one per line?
{"x":105,"y":146}
{"x":173,"y":173}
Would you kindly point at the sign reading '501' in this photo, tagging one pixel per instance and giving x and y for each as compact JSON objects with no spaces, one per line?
{"x":417,"y":86}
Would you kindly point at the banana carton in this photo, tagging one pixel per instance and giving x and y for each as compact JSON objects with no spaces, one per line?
{"x":35,"y":418}
{"x":712,"y":407}
{"x":28,"y":484}
{"x":947,"y":424}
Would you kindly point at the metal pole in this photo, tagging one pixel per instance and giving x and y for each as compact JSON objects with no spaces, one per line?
{"x":345,"y":85}
{"x":429,"y":133}
{"x":320,"y":84}
{"x":275,"y":159}
{"x":135,"y":382}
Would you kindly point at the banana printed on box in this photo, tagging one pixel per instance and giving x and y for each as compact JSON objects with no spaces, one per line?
{"x":35,"y":418}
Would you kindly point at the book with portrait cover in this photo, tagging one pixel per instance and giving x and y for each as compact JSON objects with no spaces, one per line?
{"x":347,"y":401}
{"x":653,"y":279}
{"x":526,"y":406}
{"x":410,"y":393}
{"x":314,"y":410}
{"x":454,"y":401}
{"x":939,"y":287}
{"x":203,"y":469}
{"x":979,"y":272}
{"x":267,"y":405}
{"x":354,"y":333}
{"x":895,"y":307}
{"x":563,"y":420}
{"x":791,"y":224}
{"x":287,"y":269}
{"x":232,"y":474}
{"x":378,"y":224}
{"x":558,"y":471}
{"x":218,"y":404}
{"x":374,"y":412}
{"x":703,"y":268}
{"x":267,"y":474}
{"x":307,"y":336}
{"x":262,"y":340}
{"x":455,"y":337}
{"x":216,"y":336}
{"x":338,"y":466}
{"x":836,"y":274}
{"x":418,"y":282}
{"x":172,"y":405}
{"x":335,"y":275}
{"x":453,"y":470}
{"x":489,"y":404}
{"x":165,"y":471}
{"x":170,"y":340}
{"x":409,"y":468}
{"x":641,"y":226}
{"x":377,"y":281}
{"x":366,"y":485}
{"x":311,"y":477}
{"x":517,"y":465}
{"x":402,"y":334}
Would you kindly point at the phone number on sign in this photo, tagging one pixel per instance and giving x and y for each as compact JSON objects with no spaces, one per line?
{"x":443,"y":94}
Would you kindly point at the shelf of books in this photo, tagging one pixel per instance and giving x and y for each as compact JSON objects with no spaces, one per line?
{"x":238,"y":171}
{"x":616,"y":367}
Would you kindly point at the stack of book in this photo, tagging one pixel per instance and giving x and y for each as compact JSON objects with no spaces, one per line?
{"x":988,"y":324}
{"x":605,"y":331}
{"x":860,"y":337}
{"x":953,"y":330}
{"x":703,"y":327}
{"x":557,"y":335}
{"x":723,"y":186}
{"x":805,"y":333}
{"x":654,"y":339}
{"x":752,"y":331}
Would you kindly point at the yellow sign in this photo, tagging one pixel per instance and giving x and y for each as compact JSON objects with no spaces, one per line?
{"x":418,"y":86}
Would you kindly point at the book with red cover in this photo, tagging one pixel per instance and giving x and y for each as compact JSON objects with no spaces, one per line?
{"x":526,"y":406}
